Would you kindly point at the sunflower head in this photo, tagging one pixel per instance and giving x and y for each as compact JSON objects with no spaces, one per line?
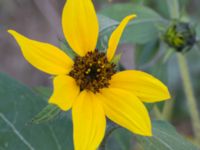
{"x":89,"y":84}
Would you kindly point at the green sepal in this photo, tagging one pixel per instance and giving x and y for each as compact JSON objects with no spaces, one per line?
{"x":48,"y":113}
{"x":116,"y":59}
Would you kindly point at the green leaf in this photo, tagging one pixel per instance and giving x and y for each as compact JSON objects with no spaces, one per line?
{"x":119,"y":140}
{"x":44,"y":92}
{"x":106,"y":23}
{"x":165,"y":137}
{"x":141,"y":30}
{"x":145,"y":54}
{"x":160,"y":6}
{"x":18,"y":104}
{"x":106,"y":26}
{"x":48,"y":113}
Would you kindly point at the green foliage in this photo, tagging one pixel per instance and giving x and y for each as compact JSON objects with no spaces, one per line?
{"x":119,"y":140}
{"x":18,"y":105}
{"x":143,"y":29}
{"x":106,"y":23}
{"x":48,"y":113}
{"x":165,"y":137}
{"x":146,"y":53}
{"x":45,"y":92}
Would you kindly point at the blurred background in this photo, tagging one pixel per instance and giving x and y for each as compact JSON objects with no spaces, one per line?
{"x":40,"y":20}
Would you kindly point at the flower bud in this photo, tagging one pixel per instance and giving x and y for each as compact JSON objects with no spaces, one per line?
{"x":180,"y":36}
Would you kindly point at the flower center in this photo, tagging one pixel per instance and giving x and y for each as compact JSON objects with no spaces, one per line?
{"x":93,"y":71}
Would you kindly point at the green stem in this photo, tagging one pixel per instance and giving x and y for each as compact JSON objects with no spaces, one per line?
{"x":168,"y":110}
{"x":192,"y":105}
{"x":158,"y":113}
{"x":174,"y":8}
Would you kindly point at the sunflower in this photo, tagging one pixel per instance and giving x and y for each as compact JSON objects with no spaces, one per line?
{"x":90,"y":84}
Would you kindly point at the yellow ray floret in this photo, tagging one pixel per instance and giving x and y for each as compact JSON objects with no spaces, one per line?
{"x":65,"y":92}
{"x":125,"y":109}
{"x":141,"y":84}
{"x":43,"y":56}
{"x":89,"y":122}
{"x":116,"y":35}
{"x":80,"y":25}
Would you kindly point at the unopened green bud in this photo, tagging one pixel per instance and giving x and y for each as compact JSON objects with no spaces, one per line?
{"x":180,"y":36}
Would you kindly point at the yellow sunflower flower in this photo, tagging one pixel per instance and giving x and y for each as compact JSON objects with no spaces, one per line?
{"x":89,"y":84}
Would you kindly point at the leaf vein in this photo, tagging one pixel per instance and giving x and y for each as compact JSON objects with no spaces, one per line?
{"x":2,"y":116}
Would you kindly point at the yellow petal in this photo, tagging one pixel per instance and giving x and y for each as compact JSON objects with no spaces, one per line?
{"x":80,"y":25}
{"x":143,"y":85}
{"x":88,"y":121}
{"x":116,"y":35}
{"x":43,"y":56}
{"x":65,"y":92}
{"x":127,"y":110}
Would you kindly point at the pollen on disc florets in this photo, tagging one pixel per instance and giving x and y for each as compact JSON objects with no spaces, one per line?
{"x":93,"y":71}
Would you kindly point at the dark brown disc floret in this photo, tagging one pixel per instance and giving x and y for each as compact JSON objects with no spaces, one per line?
{"x":93,"y":71}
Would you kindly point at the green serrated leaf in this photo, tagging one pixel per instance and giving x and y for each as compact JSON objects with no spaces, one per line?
{"x":48,"y":113}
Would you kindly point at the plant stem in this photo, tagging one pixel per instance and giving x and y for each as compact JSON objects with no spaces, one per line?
{"x":108,"y":133}
{"x":168,"y":110}
{"x":174,"y":8}
{"x":192,"y":105}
